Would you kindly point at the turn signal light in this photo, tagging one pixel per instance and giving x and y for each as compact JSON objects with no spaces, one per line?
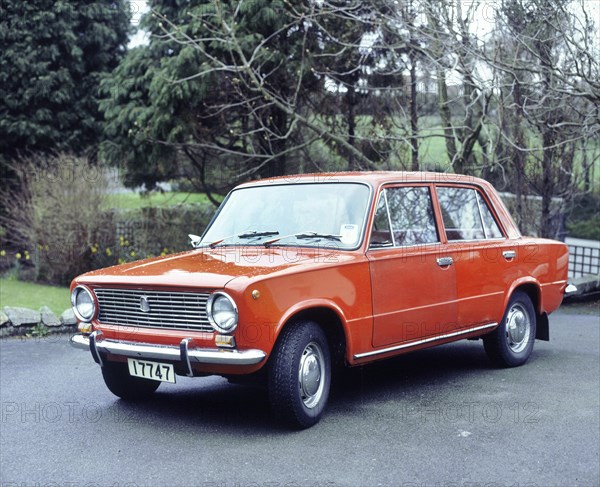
{"x":225,"y":341}
{"x":84,"y":327}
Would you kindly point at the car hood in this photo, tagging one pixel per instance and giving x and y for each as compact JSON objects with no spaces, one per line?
{"x":213,"y":268}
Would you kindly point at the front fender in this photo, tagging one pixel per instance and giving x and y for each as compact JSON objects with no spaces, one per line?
{"x":307,"y":306}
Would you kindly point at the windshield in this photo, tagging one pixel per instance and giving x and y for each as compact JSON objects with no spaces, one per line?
{"x":331,"y":214}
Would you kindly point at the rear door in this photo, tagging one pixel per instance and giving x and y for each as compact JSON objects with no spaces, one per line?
{"x":414,"y":293}
{"x":483,"y":257}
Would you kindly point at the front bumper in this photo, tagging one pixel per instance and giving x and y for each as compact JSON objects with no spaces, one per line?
{"x":99,"y":345}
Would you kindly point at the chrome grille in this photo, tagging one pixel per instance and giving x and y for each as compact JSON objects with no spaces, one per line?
{"x":172,"y":310}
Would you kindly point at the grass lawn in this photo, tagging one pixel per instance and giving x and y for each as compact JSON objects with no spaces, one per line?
{"x":132,"y":201}
{"x":33,"y":296}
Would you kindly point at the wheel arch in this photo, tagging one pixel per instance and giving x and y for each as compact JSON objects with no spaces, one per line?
{"x":534,"y":291}
{"x":329,"y":317}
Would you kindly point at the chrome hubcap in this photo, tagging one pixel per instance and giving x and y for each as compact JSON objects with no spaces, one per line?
{"x":310,"y":375}
{"x":518,"y":328}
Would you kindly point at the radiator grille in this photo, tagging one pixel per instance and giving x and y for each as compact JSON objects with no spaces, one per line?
{"x":171,"y":310}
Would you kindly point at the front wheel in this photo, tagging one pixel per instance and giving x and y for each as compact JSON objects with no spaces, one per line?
{"x":300,"y":375}
{"x":510,"y":344}
{"x":120,"y":383}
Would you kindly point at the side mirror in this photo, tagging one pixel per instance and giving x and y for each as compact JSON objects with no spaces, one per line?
{"x":195,"y":240}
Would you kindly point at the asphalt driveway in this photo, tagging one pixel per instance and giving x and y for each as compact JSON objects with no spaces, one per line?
{"x":442,"y":416}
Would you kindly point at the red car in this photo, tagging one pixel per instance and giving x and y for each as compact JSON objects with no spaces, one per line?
{"x":295,"y":276}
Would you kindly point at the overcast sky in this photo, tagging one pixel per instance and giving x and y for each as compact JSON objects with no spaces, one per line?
{"x":484,"y":20}
{"x":138,"y":7}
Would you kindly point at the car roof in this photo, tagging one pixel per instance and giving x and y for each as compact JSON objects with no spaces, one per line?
{"x":375,"y":178}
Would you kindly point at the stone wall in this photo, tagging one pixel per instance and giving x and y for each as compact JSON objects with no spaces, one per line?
{"x":15,"y":321}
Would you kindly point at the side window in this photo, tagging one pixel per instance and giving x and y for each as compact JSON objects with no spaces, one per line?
{"x":466,"y":215}
{"x":381,"y":236}
{"x":411,"y":215}
{"x":492,"y":230}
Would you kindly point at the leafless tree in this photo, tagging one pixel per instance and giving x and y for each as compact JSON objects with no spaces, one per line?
{"x":526,"y":111}
{"x":546,"y":68}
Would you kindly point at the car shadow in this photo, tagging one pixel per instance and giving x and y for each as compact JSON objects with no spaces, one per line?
{"x":202,"y":404}
{"x":205,"y":403}
{"x":415,"y":369}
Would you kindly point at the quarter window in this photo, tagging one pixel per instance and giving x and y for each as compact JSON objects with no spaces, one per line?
{"x":492,"y":230}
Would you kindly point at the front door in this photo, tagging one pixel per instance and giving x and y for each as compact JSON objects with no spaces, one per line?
{"x":413,"y":286}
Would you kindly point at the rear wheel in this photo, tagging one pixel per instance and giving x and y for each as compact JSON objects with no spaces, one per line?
{"x":121,"y":384}
{"x":510,"y":344}
{"x":300,"y":375}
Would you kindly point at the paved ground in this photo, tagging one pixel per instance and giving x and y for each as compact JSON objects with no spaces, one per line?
{"x":438,"y":417}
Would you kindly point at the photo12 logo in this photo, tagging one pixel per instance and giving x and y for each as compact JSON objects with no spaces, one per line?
{"x":67,"y":412}
{"x":137,"y":8}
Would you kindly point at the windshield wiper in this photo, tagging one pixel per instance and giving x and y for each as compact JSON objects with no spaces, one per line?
{"x":303,"y":236}
{"x":212,"y":245}
{"x":257,"y":234}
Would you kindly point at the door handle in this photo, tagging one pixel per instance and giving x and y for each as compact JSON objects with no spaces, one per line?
{"x":445,"y":261}
{"x":509,"y":254}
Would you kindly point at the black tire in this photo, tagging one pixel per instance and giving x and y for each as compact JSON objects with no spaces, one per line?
{"x":300,"y":399}
{"x":510,"y":344}
{"x":121,"y":384}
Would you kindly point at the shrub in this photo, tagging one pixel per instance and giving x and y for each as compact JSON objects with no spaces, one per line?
{"x":58,"y":225}
{"x":52,"y":216}
{"x":589,"y":229}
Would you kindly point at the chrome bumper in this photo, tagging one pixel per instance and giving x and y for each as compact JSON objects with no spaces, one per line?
{"x":96,"y":344}
{"x":570,"y":289}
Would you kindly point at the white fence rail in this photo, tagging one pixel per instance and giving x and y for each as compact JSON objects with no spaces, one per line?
{"x":583,"y":261}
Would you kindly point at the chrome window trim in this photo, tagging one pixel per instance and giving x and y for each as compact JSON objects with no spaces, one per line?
{"x":480,"y":214}
{"x":471,"y":240}
{"x":402,"y":247}
{"x":387,"y":209}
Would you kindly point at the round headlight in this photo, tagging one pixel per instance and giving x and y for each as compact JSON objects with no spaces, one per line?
{"x":222,"y":312}
{"x":83,"y":303}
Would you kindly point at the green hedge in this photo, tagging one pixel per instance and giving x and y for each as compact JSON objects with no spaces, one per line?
{"x":149,"y":232}
{"x":584,"y":220}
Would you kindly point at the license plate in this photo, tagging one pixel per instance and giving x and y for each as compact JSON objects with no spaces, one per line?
{"x":151,"y":370}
